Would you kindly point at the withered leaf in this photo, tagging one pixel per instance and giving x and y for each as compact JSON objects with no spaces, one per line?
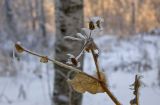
{"x":44,"y":59}
{"x":103,"y":77}
{"x":19,"y":48}
{"x":82,"y":83}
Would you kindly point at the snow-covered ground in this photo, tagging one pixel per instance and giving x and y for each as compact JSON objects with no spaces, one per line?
{"x":120,"y":59}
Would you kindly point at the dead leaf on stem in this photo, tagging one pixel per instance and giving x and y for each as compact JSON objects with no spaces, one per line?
{"x":83,"y":82}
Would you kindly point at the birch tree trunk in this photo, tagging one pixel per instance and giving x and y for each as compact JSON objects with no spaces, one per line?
{"x":133,"y":17}
{"x":69,"y":21}
{"x":11,"y":24}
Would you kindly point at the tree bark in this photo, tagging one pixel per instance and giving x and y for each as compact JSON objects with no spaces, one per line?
{"x":69,"y":21}
{"x":33,"y":14}
{"x":11,"y":29}
{"x":40,"y":11}
{"x":133,"y":17}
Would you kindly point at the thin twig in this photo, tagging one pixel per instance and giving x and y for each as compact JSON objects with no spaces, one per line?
{"x":97,"y":65}
{"x":137,"y":89}
{"x":102,"y":83}
{"x":56,"y":62}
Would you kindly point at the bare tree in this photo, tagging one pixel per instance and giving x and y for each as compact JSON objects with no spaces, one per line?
{"x":40,"y":11}
{"x":33,"y":14}
{"x":11,"y":29}
{"x":133,"y":17}
{"x":69,"y":21}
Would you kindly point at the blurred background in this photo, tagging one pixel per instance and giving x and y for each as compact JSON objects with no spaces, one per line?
{"x":129,"y":44}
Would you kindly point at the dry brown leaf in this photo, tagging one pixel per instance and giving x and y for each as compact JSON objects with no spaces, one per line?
{"x":103,"y":77}
{"x":82,"y":83}
{"x":19,"y":48}
{"x":44,"y":59}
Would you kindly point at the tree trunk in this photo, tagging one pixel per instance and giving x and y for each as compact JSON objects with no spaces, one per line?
{"x":33,"y":14}
{"x":133,"y":17}
{"x":42,"y":18}
{"x":69,"y":21}
{"x":41,"y":21}
{"x":11,"y":29}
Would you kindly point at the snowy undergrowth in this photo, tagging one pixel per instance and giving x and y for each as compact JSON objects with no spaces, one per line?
{"x":120,"y":59}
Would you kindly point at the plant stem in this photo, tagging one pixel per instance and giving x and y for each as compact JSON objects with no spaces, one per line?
{"x":102,"y":83}
{"x":96,"y":63}
{"x":59,"y":63}
{"x":137,"y":85}
{"x":53,"y":60}
{"x":137,"y":97}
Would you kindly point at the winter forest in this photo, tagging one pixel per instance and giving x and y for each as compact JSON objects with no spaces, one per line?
{"x":79,"y":52}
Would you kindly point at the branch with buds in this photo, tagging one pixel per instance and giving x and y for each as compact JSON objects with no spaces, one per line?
{"x":83,"y":82}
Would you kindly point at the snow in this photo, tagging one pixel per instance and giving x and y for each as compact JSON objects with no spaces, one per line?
{"x":119,"y":85}
{"x":121,"y":59}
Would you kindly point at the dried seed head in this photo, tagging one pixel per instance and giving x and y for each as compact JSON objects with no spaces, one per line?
{"x":18,"y":47}
{"x":44,"y":59}
{"x":97,"y":22}
{"x":73,"y":61}
{"x":91,"y":25}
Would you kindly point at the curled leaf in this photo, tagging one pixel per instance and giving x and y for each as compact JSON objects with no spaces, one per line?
{"x":44,"y":59}
{"x":82,"y":83}
{"x":19,"y":48}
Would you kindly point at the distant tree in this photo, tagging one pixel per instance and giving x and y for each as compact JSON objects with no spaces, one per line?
{"x":33,"y":14}
{"x":10,"y":21}
{"x":69,"y":21}
{"x":133,"y":17}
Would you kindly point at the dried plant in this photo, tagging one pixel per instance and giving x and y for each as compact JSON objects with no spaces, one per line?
{"x":82,"y":82}
{"x":136,"y":85}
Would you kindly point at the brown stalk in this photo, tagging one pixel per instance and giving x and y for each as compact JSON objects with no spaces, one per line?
{"x":102,"y":83}
{"x":137,"y":89}
{"x":56,"y":62}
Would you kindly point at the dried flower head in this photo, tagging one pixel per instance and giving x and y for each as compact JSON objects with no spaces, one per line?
{"x":86,"y":39}
{"x":91,"y":25}
{"x":95,"y":22}
{"x":18,"y":47}
{"x":72,"y":60}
